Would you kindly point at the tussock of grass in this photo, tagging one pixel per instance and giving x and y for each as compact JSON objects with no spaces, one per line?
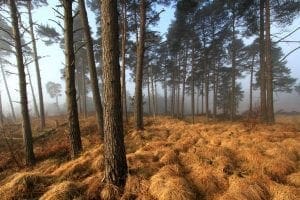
{"x":207,"y":180}
{"x":283,"y":192}
{"x":170,"y":159}
{"x":25,"y":186}
{"x":76,"y":169}
{"x":110,"y":192}
{"x":294,"y":179}
{"x":63,"y":191}
{"x":246,"y":189}
{"x":278,"y":168}
{"x":167,"y":184}
{"x":93,"y":186}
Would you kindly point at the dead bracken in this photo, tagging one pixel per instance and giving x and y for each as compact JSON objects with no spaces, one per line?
{"x":188,"y":163}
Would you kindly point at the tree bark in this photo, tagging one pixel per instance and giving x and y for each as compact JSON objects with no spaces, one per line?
{"x":233,"y":72}
{"x":26,"y":126}
{"x":183,"y":82}
{"x":269,"y":67}
{"x":92,"y":67}
{"x":173,"y":95}
{"x":251,"y":86}
{"x":37,"y":68}
{"x":1,"y":112}
{"x":152,"y":92}
{"x":166,"y":93}
{"x":123,"y":67}
{"x":193,"y":86}
{"x":84,"y":92}
{"x":139,"y":68}
{"x":149,"y":94}
{"x":36,"y":110}
{"x":74,"y":130}
{"x":8,"y":94}
{"x":207,"y":92}
{"x":263,"y":97}
{"x":115,"y":157}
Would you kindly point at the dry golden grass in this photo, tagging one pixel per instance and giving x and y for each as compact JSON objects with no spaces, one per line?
{"x":25,"y":186}
{"x":168,"y":184}
{"x":169,"y":160}
{"x":64,"y":191}
{"x":247,"y":189}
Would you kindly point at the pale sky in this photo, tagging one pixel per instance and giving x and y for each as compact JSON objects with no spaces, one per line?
{"x":50,"y":66}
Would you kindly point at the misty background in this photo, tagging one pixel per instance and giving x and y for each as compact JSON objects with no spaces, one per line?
{"x":53,"y":61}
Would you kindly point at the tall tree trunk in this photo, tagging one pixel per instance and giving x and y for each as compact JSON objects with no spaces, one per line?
{"x":1,"y":112}
{"x":263,"y":96}
{"x":123,"y":68}
{"x":166,"y":93}
{"x":178,"y":93}
{"x":37,"y":67}
{"x":152,"y":92}
{"x":183,"y":82}
{"x":269,"y":67}
{"x":233,"y":72}
{"x":139,"y":68}
{"x":26,"y":126}
{"x":36,"y":110}
{"x":92,"y":67}
{"x":207,"y":92}
{"x":114,"y":148}
{"x":251,"y":86}
{"x":8,"y":94}
{"x":193,"y":86}
{"x":173,"y":95}
{"x":74,"y":130}
{"x":215,"y":93}
{"x":155,"y":95}
{"x":202,"y":98}
{"x":79,"y":91}
{"x":149,"y":94}
{"x":84,"y":92}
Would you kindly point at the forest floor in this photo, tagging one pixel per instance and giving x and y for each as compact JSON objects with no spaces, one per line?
{"x":169,"y":160}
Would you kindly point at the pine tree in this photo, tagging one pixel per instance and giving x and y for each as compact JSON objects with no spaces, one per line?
{"x":114,"y":148}
{"x":73,"y":121}
{"x":27,"y":133}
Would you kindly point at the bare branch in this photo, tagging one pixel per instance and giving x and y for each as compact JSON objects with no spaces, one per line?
{"x":289,"y":54}
{"x":291,"y":33}
{"x":10,"y":51}
{"x":59,"y":13}
{"x":80,"y":47}
{"x":7,"y":42}
{"x":7,"y":32}
{"x":63,"y":29}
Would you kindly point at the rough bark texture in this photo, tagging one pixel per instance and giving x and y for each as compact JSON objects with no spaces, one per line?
{"x":139,"y":68}
{"x":26,"y":126}
{"x":74,"y":130}
{"x":263,"y":104}
{"x":114,"y":153}
{"x":123,"y":68}
{"x":37,"y":68}
{"x":269,"y":67}
{"x":8,"y":94}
